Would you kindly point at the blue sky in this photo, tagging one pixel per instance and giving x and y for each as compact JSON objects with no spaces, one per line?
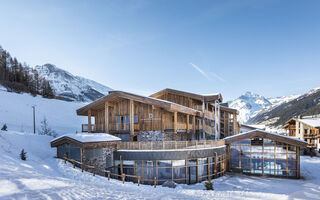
{"x":268,"y":47}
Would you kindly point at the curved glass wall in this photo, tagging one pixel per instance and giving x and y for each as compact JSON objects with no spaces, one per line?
{"x":188,"y":171}
{"x":261,"y":156}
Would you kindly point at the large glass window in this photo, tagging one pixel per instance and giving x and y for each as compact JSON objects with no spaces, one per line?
{"x":180,"y":171}
{"x":263,"y":156}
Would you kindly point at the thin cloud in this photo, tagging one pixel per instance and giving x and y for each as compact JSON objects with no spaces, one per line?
{"x":203,"y":73}
{"x":200,"y":71}
{"x":218,"y":77}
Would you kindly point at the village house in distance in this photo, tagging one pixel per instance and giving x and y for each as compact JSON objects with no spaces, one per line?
{"x":305,"y":128}
{"x":175,"y":136}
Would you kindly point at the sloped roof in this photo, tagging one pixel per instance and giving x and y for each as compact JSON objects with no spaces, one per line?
{"x":314,"y":122}
{"x":206,"y":97}
{"x":81,"y":139}
{"x":264,"y":134}
{"x":167,"y":105}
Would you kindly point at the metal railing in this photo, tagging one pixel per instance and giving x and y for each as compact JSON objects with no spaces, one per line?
{"x":167,"y":145}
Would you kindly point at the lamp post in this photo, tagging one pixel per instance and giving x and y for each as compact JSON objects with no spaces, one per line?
{"x":34,"y":119}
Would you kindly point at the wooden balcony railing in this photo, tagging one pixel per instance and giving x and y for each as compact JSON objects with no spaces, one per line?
{"x":167,"y":145}
{"x":209,"y":114}
{"x":85,"y":128}
{"x":310,"y":136}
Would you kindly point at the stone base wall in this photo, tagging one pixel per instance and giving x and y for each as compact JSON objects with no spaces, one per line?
{"x":148,"y":136}
{"x":101,"y":158}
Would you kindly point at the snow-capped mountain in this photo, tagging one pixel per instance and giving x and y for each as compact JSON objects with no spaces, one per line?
{"x":249,"y":104}
{"x":297,"y":105}
{"x":69,"y":86}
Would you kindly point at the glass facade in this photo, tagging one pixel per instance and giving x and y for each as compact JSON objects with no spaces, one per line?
{"x":188,"y":171}
{"x":265,"y":157}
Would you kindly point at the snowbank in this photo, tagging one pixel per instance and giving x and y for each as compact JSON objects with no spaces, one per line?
{"x":16,"y":112}
{"x":42,"y":176}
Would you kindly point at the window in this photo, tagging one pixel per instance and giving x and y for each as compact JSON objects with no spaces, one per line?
{"x":257,"y":141}
{"x":135,"y":118}
{"x":190,"y":119}
{"x":150,"y":115}
{"x":305,"y":131}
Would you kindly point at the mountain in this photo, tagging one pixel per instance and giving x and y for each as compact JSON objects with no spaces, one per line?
{"x":69,"y":86}
{"x":249,"y":104}
{"x":47,"y":80}
{"x":299,"y":105}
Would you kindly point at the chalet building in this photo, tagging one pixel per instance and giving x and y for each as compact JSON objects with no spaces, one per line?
{"x":175,"y":136}
{"x":166,"y":115}
{"x":305,"y":128}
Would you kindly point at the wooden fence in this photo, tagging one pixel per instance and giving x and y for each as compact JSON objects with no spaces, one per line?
{"x":85,"y":167}
{"x":167,"y":145}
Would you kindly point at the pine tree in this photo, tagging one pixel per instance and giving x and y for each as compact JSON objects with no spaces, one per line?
{"x":208,"y":184}
{"x":4,"y":127}
{"x":23,"y":155}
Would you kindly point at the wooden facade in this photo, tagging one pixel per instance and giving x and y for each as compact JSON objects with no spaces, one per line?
{"x":309,"y":132}
{"x":121,"y":112}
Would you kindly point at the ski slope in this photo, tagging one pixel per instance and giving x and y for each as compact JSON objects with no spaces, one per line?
{"x":42,"y":176}
{"x":16,"y":112}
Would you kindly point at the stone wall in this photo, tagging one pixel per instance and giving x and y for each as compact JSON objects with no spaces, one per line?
{"x":147,"y":136}
{"x":101,"y":158}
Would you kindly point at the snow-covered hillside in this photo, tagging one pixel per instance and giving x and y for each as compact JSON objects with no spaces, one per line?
{"x":16,"y":112}
{"x":42,"y":176}
{"x":71,"y":87}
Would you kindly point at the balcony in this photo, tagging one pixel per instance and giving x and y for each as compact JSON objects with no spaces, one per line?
{"x":307,"y":136}
{"x":85,"y":128}
{"x":170,"y":145}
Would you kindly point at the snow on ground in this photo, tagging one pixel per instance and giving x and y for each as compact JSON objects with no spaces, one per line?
{"x":42,"y":176}
{"x":16,"y":112}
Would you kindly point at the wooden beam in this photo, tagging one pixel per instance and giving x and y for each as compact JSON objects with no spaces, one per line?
{"x":131,"y":117}
{"x":194,"y":124}
{"x":235,"y":127}
{"x":89,"y":121}
{"x":175,"y":121}
{"x":106,"y":117}
{"x":298,"y":162}
{"x":188,"y":128}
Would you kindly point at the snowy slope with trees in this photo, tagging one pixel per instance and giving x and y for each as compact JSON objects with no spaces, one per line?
{"x":71,"y":87}
{"x":16,"y":112}
{"x":47,"y":80}
{"x":42,"y":176}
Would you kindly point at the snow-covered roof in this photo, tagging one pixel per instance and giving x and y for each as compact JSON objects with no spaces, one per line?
{"x":314,"y":122}
{"x":288,"y":139}
{"x":89,"y":137}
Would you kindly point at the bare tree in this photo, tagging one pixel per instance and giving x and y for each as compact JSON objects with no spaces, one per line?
{"x":45,"y":129}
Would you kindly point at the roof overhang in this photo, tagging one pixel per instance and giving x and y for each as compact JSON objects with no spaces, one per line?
{"x":82,"y":144}
{"x":114,"y":95}
{"x":264,"y":134}
{"x":199,"y":97}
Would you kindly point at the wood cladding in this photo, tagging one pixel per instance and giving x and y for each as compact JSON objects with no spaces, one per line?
{"x":122,"y":112}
